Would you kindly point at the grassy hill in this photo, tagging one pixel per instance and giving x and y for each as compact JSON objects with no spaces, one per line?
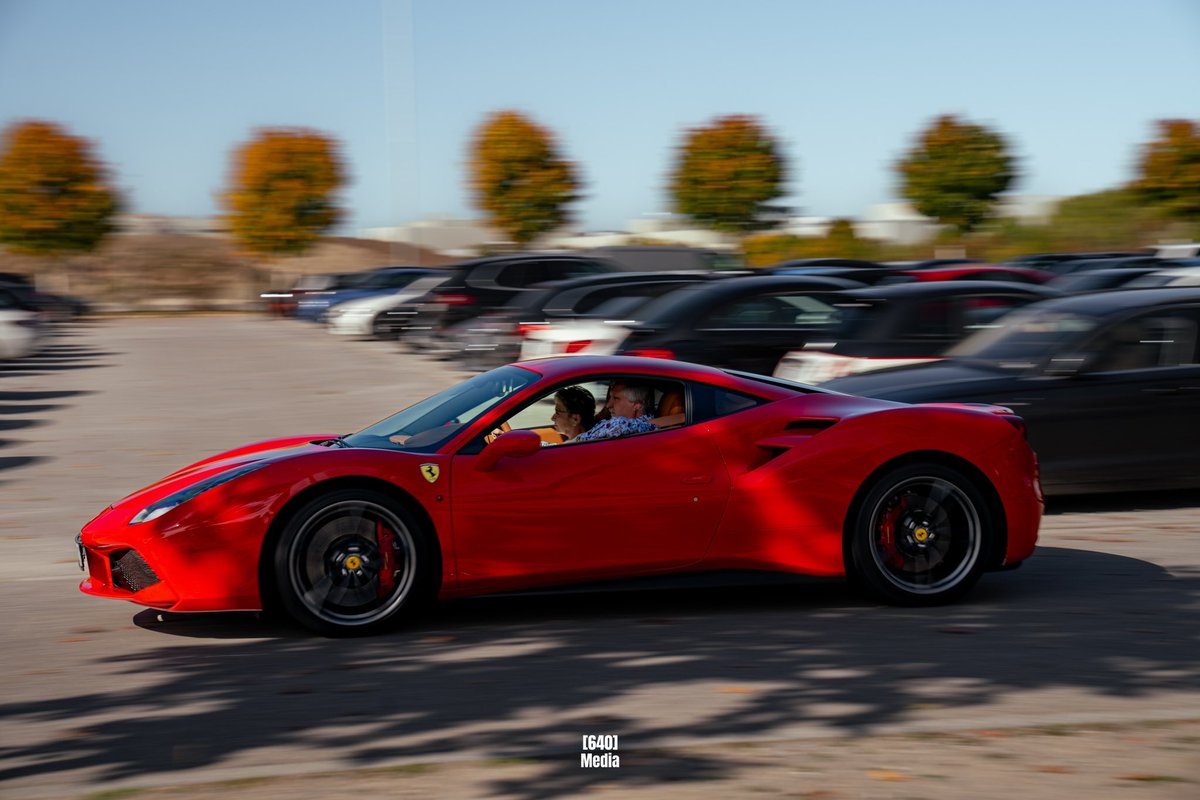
{"x":168,"y":270}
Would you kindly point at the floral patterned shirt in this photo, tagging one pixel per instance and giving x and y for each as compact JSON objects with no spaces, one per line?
{"x":616,"y":426}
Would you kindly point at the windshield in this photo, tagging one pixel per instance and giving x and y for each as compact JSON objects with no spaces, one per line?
{"x":1025,"y":338}
{"x":424,"y":427}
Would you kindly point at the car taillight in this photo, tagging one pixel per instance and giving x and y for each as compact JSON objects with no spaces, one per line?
{"x":454,"y":299}
{"x":526,"y":328}
{"x":575,"y":347}
{"x":651,"y":352}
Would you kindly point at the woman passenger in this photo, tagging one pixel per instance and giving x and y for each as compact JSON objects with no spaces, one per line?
{"x":574,"y":411}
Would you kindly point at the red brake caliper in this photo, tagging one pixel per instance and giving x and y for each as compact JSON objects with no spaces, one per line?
{"x":887,"y":533}
{"x":387,"y":562}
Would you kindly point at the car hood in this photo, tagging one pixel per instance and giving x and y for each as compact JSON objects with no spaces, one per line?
{"x":270,"y":450}
{"x":923,"y":383}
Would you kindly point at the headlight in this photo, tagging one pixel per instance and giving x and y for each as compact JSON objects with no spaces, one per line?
{"x":160,"y":507}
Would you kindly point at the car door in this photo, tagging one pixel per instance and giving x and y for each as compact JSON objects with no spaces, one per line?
{"x":754,"y":333}
{"x":587,"y":511}
{"x":1128,"y":417}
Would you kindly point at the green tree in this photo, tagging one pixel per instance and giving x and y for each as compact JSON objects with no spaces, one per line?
{"x":726,"y":173}
{"x":954,"y":172}
{"x":54,"y":194}
{"x":1169,"y":168}
{"x":281,"y":196}
{"x":518,"y":178}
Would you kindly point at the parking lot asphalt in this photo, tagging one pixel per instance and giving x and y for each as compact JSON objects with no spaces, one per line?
{"x":1078,"y":674}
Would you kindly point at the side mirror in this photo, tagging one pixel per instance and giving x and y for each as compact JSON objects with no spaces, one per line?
{"x":514,"y":444}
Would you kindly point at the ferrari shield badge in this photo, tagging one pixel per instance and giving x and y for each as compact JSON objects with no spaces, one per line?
{"x":430,"y":472}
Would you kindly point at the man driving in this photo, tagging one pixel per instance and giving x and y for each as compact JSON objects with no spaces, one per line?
{"x":631,"y":406}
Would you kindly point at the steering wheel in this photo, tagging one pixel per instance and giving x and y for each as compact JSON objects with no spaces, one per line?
{"x":491,"y":437}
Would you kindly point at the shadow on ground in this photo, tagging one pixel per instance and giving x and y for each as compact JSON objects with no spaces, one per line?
{"x":20,"y":408}
{"x":525,"y":676}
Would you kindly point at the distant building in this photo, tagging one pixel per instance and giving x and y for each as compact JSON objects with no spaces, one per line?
{"x":443,"y":234}
{"x":899,"y":222}
{"x":161,"y":224}
{"x":1028,"y":208}
{"x":806,"y":226}
{"x":663,"y":228}
{"x":896,"y":223}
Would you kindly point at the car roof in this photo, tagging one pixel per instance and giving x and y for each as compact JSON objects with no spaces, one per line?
{"x":947,"y":288}
{"x":473,"y":263}
{"x":698,"y":297}
{"x":1103,"y":303}
{"x":557,"y":368}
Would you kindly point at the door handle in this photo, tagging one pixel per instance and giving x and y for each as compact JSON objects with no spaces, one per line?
{"x":695,"y":480}
{"x":1164,"y":390}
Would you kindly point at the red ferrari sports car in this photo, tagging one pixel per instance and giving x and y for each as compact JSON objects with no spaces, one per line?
{"x":473,"y":491}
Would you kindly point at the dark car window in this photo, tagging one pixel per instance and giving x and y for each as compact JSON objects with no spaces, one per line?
{"x":391,"y":280}
{"x":983,"y":312}
{"x":521,"y":274}
{"x":801,"y":310}
{"x":574,"y":268}
{"x":1160,"y":339}
{"x":1026,"y":337}
{"x":933,"y":319}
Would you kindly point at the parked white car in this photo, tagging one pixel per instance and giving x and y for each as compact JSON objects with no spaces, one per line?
{"x":815,"y":366}
{"x":22,"y":332}
{"x":597,"y":334}
{"x":361,"y":317}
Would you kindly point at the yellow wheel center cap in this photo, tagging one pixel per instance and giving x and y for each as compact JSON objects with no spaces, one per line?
{"x":352,"y":562}
{"x":921,"y":534}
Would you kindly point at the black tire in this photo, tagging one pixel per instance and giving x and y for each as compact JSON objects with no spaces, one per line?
{"x":354,"y":562}
{"x":381,"y":328}
{"x":920,"y":536}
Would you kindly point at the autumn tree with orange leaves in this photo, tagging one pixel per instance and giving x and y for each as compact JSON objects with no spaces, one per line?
{"x":282,"y":190}
{"x":518,"y":177}
{"x":727,"y":173}
{"x":54,"y":193}
{"x":955,"y":170}
{"x":1169,"y":168}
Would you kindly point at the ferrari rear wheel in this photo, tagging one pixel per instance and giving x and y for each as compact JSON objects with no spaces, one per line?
{"x":920,"y":536}
{"x":353,"y":562}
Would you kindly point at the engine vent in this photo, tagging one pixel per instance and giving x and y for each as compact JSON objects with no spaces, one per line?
{"x":130,"y":571}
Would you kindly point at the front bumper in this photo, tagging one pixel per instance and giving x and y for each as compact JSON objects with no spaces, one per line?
{"x":176,"y":563}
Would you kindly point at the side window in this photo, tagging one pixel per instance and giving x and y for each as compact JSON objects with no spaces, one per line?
{"x":569,"y":411}
{"x":982,"y":312}
{"x":1163,"y":339}
{"x":755,"y":312}
{"x":777,"y":311}
{"x":520,"y":274}
{"x":711,"y":402}
{"x":558,"y":270}
{"x":933,"y":319}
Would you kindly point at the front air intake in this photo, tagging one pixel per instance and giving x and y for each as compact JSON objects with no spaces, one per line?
{"x":131,"y":572}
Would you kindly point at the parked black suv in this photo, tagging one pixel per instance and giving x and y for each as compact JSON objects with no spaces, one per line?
{"x":481,"y":286}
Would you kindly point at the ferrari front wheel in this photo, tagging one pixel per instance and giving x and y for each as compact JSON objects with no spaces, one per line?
{"x":353,"y":562}
{"x":920,"y":535}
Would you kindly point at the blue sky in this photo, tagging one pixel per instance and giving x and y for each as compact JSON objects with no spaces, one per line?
{"x":167,"y":89}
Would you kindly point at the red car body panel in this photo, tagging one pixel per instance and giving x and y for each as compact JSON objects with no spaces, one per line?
{"x":769,"y":487}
